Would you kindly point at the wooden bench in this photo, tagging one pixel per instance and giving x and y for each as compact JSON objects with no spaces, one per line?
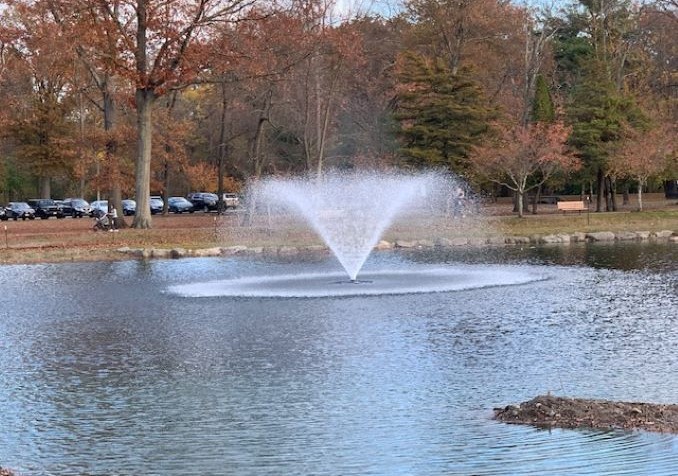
{"x":572,"y":206}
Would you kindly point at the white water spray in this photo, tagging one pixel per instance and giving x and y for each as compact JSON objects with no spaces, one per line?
{"x":351,"y":211}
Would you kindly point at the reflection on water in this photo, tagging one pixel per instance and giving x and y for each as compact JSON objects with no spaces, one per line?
{"x":107,"y":373}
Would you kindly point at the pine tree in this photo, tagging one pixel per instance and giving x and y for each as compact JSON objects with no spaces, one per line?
{"x":441,"y":114}
{"x":598,"y":114}
{"x":543,"y":109}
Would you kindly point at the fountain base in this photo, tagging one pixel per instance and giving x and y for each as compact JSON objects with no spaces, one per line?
{"x":413,"y":280}
{"x":354,"y":281}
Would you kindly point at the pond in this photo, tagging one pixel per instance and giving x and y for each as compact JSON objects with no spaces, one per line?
{"x":104,"y":369}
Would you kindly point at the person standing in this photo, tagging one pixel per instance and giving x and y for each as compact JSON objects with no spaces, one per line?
{"x":112,"y":217}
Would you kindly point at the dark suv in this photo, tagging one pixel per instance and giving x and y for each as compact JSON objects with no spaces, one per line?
{"x":16,"y":210}
{"x":75,"y":207}
{"x":45,"y":208}
{"x":204,"y":201}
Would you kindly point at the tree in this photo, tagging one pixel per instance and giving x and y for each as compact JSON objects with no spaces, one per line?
{"x":647,"y":154}
{"x":169,"y":148}
{"x":161,"y":49}
{"x":596,"y":58}
{"x":598,"y":114}
{"x":318,"y":83}
{"x":543,"y":109}
{"x":38,"y":97}
{"x":522,"y":157}
{"x":98,"y":54}
{"x":442,"y":114}
{"x":654,"y":79}
{"x":365,"y":121}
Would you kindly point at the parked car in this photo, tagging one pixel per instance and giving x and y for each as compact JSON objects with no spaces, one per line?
{"x":99,"y":208}
{"x":204,"y":201}
{"x":45,"y":208}
{"x":75,"y":207}
{"x":156,"y":204}
{"x":231,"y":200}
{"x":179,"y":205}
{"x":16,"y":210}
{"x":129,"y":207}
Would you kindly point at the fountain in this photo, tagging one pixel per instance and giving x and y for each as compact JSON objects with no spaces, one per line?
{"x":351,"y":211}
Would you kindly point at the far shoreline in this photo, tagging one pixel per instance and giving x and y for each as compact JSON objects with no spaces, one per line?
{"x":73,"y":240}
{"x":111,"y":251}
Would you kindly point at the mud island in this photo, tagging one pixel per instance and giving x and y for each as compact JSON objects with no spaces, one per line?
{"x":560,"y":412}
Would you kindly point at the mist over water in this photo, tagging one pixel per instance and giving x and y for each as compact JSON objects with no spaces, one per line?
{"x":350,"y":211}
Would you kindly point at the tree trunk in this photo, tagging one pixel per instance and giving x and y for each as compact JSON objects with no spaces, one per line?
{"x":115,"y":191}
{"x":142,"y":216}
{"x":641,"y":183}
{"x":612,"y":193}
{"x":535,"y":199}
{"x":45,"y":186}
{"x":626,"y":195}
{"x":144,"y":97}
{"x":221,"y":150}
{"x":116,"y":200}
{"x":166,"y":184}
{"x":257,"y":143}
{"x":601,"y":190}
{"x":519,"y":203}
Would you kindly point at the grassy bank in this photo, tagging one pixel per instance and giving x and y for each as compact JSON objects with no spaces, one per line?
{"x":73,"y":239}
{"x":653,"y":220}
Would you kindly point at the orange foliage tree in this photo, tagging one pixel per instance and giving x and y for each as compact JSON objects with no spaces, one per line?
{"x":646,"y":154}
{"x":160,"y":48}
{"x":524,"y":157}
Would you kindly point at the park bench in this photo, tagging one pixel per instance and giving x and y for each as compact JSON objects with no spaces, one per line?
{"x":572,"y":206}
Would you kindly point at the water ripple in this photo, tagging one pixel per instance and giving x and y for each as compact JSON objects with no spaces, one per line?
{"x":126,"y":379}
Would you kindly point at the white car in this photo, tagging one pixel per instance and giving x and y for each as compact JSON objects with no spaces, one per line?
{"x":231,"y":200}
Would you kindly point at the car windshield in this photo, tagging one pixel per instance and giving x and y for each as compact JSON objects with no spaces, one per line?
{"x":78,"y":202}
{"x":19,"y":206}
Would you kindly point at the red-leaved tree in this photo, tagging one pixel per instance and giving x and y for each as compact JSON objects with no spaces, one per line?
{"x":524,"y":157}
{"x":646,"y":154}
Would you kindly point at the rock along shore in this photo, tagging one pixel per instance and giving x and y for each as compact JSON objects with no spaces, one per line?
{"x":579,"y":237}
{"x":559,"y":412}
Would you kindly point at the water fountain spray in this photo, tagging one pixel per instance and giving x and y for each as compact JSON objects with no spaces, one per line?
{"x":351,"y":211}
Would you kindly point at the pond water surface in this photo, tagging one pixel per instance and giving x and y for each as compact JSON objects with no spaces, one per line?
{"x":104,"y":370}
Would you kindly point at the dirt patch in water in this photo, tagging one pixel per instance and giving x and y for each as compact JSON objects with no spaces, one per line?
{"x":560,"y":412}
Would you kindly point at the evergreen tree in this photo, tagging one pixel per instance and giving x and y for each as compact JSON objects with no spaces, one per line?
{"x":598,"y":114}
{"x":543,"y":109}
{"x":441,"y":114}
